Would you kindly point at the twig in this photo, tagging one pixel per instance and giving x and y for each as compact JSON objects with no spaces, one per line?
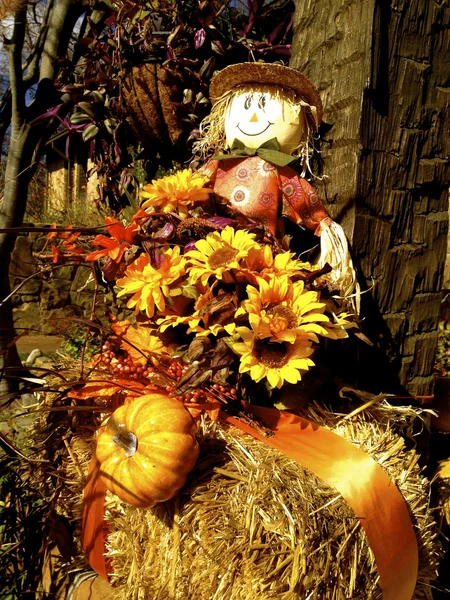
{"x":88,"y":330}
{"x":21,"y":284}
{"x":72,"y":456}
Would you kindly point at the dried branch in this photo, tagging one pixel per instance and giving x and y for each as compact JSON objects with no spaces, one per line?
{"x":14,"y":47}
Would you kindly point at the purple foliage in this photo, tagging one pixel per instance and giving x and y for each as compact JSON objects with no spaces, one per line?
{"x":199,"y":38}
{"x":165,"y":233}
{"x":189,"y":246}
{"x":192,"y":44}
{"x":221,"y":221}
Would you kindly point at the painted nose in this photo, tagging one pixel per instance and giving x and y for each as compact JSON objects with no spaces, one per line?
{"x":254,"y":119}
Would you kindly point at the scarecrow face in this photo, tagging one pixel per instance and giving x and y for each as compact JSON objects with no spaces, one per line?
{"x":256,"y":116}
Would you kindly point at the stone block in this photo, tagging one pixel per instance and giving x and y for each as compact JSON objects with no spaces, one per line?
{"x":18,"y":300}
{"x":66,"y":272}
{"x":53,"y":298}
{"x":27,"y":316}
{"x":57,"y":321}
{"x":22,"y":261}
{"x":31,"y":288}
{"x":62,"y":285}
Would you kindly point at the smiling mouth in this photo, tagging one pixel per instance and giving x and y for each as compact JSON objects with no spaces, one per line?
{"x":253,"y":134}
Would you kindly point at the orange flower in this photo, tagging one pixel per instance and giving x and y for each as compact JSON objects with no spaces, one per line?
{"x":151,"y":286}
{"x":116,"y":245}
{"x":176,"y":192}
{"x":57,"y":254}
{"x":52,"y":234}
{"x":140,"y":217}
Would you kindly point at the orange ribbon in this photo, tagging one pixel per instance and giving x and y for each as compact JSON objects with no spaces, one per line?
{"x":361,"y":481}
{"x":364,"y":485}
{"x":93,"y":526}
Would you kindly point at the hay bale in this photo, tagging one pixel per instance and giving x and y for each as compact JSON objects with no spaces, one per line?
{"x":253,"y":524}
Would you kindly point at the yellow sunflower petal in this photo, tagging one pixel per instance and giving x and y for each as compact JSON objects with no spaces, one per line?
{"x":274,"y":378}
{"x":257,"y":372}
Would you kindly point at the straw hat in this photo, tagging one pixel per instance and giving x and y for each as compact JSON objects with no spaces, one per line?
{"x":267,"y":73}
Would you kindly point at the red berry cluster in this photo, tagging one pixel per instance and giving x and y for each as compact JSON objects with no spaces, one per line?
{"x":176,"y":370}
{"x":197,"y":395}
{"x":123,"y":364}
{"x":225,"y":390}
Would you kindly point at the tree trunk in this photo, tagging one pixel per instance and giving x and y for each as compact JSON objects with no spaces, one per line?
{"x":26,"y":145}
{"x":383,"y":72}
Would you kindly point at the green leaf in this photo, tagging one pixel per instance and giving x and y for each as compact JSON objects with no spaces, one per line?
{"x":97,"y":97}
{"x":90,"y":132}
{"x":190,"y":291}
{"x":140,"y":15}
{"x":87,"y":108}
{"x":78,"y":118}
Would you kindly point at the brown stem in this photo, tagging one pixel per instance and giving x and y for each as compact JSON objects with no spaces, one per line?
{"x":127,"y":441}
{"x":88,"y":330}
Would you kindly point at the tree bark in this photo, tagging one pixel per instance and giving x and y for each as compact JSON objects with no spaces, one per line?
{"x":26,"y":144}
{"x":382,"y":69}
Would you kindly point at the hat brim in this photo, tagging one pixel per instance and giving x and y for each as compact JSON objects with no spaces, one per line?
{"x":265,"y":73}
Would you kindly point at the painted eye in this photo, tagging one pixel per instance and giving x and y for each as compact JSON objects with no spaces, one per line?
{"x":262,"y":102}
{"x":248,"y":101}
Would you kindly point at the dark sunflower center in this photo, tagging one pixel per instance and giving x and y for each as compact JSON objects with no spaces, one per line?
{"x":279,"y":311}
{"x":270,"y":354}
{"x":222,"y":257}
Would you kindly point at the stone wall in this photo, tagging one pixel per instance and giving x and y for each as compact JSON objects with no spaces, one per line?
{"x":43,"y":304}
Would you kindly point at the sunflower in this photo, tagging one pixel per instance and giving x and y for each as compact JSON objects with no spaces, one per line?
{"x":260,"y":262}
{"x":151,"y":286}
{"x":218,"y":253}
{"x":285,"y":264}
{"x":278,"y":362}
{"x":281,"y":310}
{"x":176,"y":193}
{"x":256,"y":261}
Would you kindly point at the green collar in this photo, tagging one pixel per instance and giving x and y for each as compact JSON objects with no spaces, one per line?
{"x":269,"y":151}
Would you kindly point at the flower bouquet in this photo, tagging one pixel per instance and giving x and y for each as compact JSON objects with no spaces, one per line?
{"x":241,"y":309}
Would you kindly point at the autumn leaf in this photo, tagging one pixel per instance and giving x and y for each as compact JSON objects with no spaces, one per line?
{"x":142,"y":343}
{"x":106,"y":388}
{"x":212,"y":409}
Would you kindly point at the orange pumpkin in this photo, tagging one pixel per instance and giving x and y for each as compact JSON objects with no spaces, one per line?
{"x":146,"y":450}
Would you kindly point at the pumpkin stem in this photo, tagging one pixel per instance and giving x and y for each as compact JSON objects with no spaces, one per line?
{"x":127,"y":441}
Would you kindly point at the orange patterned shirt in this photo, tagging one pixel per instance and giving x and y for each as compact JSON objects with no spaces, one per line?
{"x":264,"y":192}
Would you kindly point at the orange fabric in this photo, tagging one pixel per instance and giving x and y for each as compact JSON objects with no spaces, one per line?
{"x":262,"y":191}
{"x":364,"y":485}
{"x":94,"y":532}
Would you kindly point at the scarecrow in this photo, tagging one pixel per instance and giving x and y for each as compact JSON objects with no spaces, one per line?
{"x":270,"y":491}
{"x":265,"y":116}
